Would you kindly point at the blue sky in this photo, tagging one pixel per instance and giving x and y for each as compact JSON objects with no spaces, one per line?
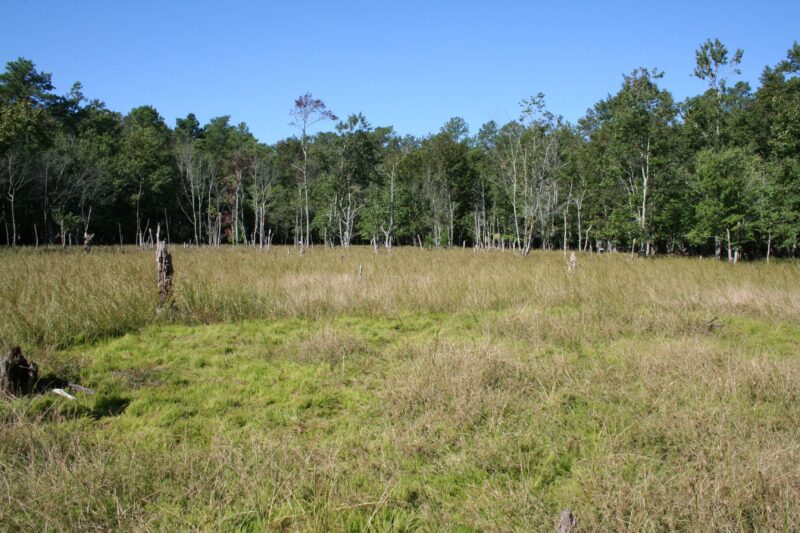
{"x":408,"y":64}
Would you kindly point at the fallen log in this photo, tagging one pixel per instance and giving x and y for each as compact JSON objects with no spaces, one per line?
{"x":79,"y":388}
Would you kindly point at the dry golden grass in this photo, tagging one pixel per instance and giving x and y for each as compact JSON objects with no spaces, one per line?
{"x":438,"y":390}
{"x":56,"y":299}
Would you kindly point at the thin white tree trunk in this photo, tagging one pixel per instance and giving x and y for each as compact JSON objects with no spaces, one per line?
{"x":769,"y":245}
{"x":730,"y":249}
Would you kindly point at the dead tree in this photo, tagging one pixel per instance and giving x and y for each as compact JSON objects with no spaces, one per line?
{"x":87,"y":242}
{"x":17,"y":375}
{"x":165,"y":272}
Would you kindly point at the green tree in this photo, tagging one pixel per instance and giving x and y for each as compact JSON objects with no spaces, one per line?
{"x":26,"y":129}
{"x":387,"y":208}
{"x":714,"y":66}
{"x":306,"y":112}
{"x":724,"y":186}
{"x":144,"y":168}
{"x":633,"y":128}
{"x":774,"y":130}
{"x":21,"y":82}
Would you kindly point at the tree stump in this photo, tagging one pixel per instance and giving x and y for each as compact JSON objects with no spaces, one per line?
{"x":17,"y":375}
{"x":164,"y":266}
{"x":87,"y":242}
{"x":568,"y":523}
{"x":573,"y":262}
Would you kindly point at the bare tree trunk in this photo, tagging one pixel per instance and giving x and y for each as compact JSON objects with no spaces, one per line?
{"x":298,"y":227}
{"x":13,"y":221}
{"x":587,"y":243}
{"x":166,"y":221}
{"x":565,"y":230}
{"x":261,"y":215}
{"x":645,"y":183}
{"x":730,"y":249}
{"x":236,"y":212}
{"x":388,"y":231}
{"x":451,"y":215}
{"x":516,"y":218}
{"x":45,"y":207}
{"x":138,"y":221}
{"x":305,"y":190}
{"x":769,"y":245}
{"x":209,"y":230}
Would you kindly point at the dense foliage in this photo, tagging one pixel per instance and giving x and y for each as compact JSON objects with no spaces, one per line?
{"x":718,"y":173}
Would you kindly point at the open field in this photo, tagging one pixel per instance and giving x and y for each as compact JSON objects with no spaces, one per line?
{"x":437,"y":390}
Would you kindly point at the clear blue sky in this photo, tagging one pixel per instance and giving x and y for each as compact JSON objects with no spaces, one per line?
{"x":409,"y":64}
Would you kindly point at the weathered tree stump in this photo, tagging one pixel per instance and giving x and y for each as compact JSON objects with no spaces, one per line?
{"x":165,"y":272}
{"x":87,"y":242}
{"x":568,"y":523}
{"x":573,"y":262}
{"x":17,"y":375}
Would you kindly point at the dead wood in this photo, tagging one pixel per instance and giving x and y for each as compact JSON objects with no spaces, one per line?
{"x":87,"y":242}
{"x":165,"y":272}
{"x":20,"y":376}
{"x":17,"y":375}
{"x":568,"y":523}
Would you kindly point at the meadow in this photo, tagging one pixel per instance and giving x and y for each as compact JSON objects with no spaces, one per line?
{"x":417,"y":390}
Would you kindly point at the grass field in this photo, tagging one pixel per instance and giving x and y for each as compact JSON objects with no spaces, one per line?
{"x":437,"y":390}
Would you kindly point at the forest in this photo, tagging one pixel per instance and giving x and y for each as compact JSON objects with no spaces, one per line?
{"x":716,"y":174}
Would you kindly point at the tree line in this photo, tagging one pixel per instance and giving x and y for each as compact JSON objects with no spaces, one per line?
{"x":718,"y":173}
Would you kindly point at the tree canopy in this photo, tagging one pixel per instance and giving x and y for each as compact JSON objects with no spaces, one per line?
{"x":717,"y":173}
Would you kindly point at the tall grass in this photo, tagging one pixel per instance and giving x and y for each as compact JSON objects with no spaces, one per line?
{"x":437,"y":390}
{"x":54,"y":300}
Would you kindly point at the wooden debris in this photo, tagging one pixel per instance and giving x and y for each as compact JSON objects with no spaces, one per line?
{"x":87,"y":242}
{"x":79,"y":388}
{"x":573,"y":262}
{"x":568,"y":523}
{"x":20,"y":376}
{"x":165,"y":272}
{"x":711,"y":325}
{"x":65,"y":394}
{"x":17,"y":375}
